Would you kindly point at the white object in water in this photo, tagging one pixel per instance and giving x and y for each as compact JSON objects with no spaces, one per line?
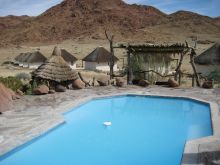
{"x":107,"y":123}
{"x":1,"y":139}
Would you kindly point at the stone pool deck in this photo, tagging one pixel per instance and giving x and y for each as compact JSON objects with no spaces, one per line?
{"x":32,"y":116}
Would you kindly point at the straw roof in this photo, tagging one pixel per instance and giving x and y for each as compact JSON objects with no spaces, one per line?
{"x":56,"y":69}
{"x":31,"y":57}
{"x":210,"y":57}
{"x":68,"y":57}
{"x":100,"y":54}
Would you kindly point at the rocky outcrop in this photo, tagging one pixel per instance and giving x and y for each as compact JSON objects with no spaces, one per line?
{"x":208,"y":85}
{"x":120,"y":82}
{"x":19,"y":92}
{"x":51,"y":91}
{"x":172,"y":83}
{"x":6,"y":97}
{"x":78,"y":84}
{"x":60,"y":88}
{"x":143,"y":83}
{"x":41,"y":90}
{"x":103,"y":81}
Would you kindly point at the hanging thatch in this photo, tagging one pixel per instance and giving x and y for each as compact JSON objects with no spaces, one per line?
{"x":210,"y":57}
{"x":99,"y":55}
{"x":151,"y":48}
{"x":55,"y":69}
{"x":31,"y":57}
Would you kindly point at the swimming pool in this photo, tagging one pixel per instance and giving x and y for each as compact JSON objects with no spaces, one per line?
{"x":144,"y":130}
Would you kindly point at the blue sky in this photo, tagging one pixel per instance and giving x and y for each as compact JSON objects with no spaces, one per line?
{"x":36,"y":7}
{"x":204,"y":7}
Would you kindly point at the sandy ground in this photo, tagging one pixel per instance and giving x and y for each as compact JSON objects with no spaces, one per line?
{"x":78,"y":49}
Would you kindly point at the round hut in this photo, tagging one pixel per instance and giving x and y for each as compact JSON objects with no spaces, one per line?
{"x":30,"y":60}
{"x":209,"y":60}
{"x":55,"y":70}
{"x":99,"y":59}
{"x":69,"y":58}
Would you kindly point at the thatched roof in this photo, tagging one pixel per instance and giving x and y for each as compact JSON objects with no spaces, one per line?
{"x":154,"y":48}
{"x":68,"y":57}
{"x":31,"y":57}
{"x":100,"y":54}
{"x":210,"y":57}
{"x":56,"y":69}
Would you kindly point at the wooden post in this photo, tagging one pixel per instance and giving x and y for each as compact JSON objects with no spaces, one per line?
{"x":82,"y":63}
{"x":83,"y":80}
{"x":129,"y":71}
{"x":112,"y":60}
{"x":193,"y":80}
{"x":180,"y":77}
{"x":179,"y":66}
{"x":93,"y":81}
{"x":192,"y":54}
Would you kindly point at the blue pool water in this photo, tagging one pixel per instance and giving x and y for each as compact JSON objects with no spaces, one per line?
{"x":144,"y":131}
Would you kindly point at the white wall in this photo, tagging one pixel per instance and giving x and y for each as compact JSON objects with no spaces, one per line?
{"x":34,"y":65}
{"x":25,"y":65}
{"x":90,"y":65}
{"x":73,"y":66}
{"x":20,"y":64}
{"x":31,"y":66}
{"x":99,"y":66}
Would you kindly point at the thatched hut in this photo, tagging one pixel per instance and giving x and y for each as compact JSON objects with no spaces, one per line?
{"x":55,"y":69}
{"x":99,"y":59}
{"x":30,"y":60}
{"x":69,"y":58}
{"x":209,"y":60}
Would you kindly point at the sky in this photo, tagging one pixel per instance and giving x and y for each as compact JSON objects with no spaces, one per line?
{"x":36,"y":7}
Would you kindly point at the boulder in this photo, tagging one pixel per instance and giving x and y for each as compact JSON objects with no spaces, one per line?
{"x":143,"y":83}
{"x":6,"y":97}
{"x":120,"y":82}
{"x":19,"y":92}
{"x":78,"y":84}
{"x":15,"y":97}
{"x":103,"y":81}
{"x":60,"y":88}
{"x":172,"y":83}
{"x":208,"y":85}
{"x":52,"y":91}
{"x":41,"y":90}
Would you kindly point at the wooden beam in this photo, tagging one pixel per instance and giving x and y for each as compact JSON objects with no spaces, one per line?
{"x":129,"y":74}
{"x":192,"y":55}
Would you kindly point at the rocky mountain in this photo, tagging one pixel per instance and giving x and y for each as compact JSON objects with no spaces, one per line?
{"x":83,"y":19}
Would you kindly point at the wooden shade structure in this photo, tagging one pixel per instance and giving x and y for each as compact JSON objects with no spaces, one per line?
{"x":150,"y":53}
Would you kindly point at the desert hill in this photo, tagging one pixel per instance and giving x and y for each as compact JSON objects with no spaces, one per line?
{"x":87,"y":19}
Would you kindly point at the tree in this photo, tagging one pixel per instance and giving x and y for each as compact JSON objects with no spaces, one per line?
{"x":111,"y":61}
